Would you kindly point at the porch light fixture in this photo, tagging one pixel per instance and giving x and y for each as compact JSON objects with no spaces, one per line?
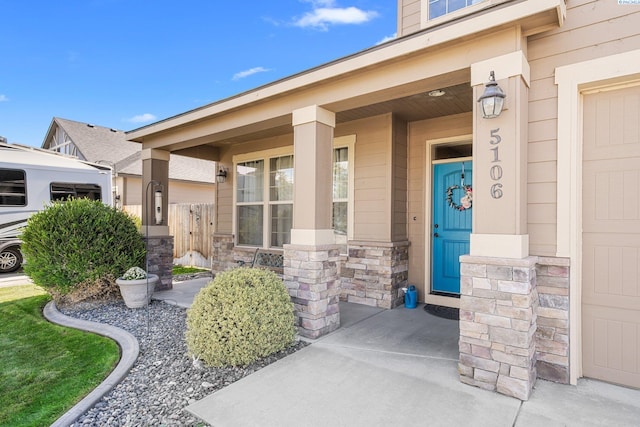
{"x":221,"y":176}
{"x":492,"y":100}
{"x":436,"y":93}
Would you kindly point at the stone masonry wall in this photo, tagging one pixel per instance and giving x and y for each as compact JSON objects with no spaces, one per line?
{"x":552,"y":334}
{"x":374,"y":273}
{"x":222,"y":256}
{"x":498,"y":306}
{"x":160,"y":260}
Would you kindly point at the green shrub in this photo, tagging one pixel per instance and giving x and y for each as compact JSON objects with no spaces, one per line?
{"x":78,"y":242}
{"x":242,"y":315}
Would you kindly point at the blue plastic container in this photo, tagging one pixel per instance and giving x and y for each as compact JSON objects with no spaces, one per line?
{"x":411,"y":297}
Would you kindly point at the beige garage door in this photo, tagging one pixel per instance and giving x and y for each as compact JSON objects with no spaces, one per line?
{"x":611,"y":236}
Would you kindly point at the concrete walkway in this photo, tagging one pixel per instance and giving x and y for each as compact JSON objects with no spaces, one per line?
{"x":395,"y":367}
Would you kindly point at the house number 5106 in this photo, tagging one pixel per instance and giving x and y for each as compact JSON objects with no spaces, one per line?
{"x":495,"y":172}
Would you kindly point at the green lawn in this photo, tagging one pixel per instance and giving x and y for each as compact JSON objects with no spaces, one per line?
{"x":45,"y":369}
{"x":179,"y":269}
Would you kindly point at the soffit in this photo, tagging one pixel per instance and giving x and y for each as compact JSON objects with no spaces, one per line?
{"x":530,"y":16}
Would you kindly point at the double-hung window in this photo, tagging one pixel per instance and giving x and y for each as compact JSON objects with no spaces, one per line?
{"x":264,"y":198}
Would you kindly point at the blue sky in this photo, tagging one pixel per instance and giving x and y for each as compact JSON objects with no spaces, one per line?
{"x":127,"y":63}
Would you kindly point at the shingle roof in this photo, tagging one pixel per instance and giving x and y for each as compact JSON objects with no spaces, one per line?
{"x":105,"y":145}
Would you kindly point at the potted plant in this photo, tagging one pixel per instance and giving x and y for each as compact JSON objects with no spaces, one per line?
{"x":136,"y":287}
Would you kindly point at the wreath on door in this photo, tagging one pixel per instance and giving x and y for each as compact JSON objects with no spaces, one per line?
{"x":466,"y":201}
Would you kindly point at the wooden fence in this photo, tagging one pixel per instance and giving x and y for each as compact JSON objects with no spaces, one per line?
{"x":191,"y":226}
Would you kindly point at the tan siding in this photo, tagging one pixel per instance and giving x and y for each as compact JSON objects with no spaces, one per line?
{"x":408,"y":16}
{"x":185,"y":192}
{"x":542,"y":213}
{"x":419,"y":176}
{"x":542,"y":192}
{"x":543,"y":89}
{"x":399,"y":190}
{"x":179,"y":192}
{"x":592,"y":29}
{"x":542,"y":151}
{"x":131,"y":191}
{"x":546,"y":109}
{"x":544,"y":130}
{"x":542,"y":172}
{"x":542,"y":238}
{"x":372,"y":204}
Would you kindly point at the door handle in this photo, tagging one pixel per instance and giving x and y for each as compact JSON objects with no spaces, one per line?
{"x":436,"y":235}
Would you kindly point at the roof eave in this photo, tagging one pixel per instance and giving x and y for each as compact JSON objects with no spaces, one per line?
{"x":392,"y":50}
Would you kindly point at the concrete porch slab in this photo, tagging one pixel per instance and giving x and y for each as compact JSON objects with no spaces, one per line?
{"x":395,"y":367}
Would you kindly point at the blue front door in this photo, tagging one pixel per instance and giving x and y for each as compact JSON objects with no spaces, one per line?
{"x":452,"y":209}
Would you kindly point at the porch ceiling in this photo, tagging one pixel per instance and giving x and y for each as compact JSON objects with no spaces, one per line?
{"x":455,"y":100}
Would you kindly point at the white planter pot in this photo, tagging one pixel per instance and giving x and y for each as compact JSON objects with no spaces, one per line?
{"x":137,"y":293}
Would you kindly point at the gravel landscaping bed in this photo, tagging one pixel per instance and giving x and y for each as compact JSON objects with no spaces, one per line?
{"x":164,"y":379}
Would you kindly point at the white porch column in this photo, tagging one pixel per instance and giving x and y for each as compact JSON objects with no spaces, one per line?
{"x":310,"y":261}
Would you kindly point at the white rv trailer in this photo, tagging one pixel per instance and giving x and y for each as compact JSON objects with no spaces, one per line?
{"x":31,"y":178}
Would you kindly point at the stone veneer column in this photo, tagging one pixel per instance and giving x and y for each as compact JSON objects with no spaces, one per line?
{"x":552,"y":334}
{"x":311,"y":276}
{"x":222,"y":256}
{"x":160,"y":260}
{"x":374,"y":273}
{"x":498,"y":307}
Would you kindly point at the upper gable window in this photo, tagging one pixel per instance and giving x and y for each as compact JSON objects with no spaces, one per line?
{"x":439,"y":8}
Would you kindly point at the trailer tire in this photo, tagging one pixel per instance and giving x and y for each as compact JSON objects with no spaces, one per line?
{"x":10,"y":259}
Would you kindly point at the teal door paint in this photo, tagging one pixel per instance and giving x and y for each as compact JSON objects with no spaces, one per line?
{"x":451,"y":226}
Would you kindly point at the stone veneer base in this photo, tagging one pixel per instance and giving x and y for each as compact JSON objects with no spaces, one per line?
{"x":552,"y":333}
{"x":160,"y":260}
{"x":374,"y":273}
{"x":498,"y":309}
{"x":311,"y":276}
{"x":222,"y":254}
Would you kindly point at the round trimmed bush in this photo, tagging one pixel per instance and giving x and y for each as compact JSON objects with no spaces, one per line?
{"x":78,"y":243}
{"x":242,"y":315}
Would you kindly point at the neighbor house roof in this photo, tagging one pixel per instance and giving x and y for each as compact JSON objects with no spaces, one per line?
{"x":110,"y":146}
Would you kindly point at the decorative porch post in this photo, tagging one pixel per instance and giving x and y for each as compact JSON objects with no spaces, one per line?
{"x":155,"y":176}
{"x":310,"y":261}
{"x":499,"y":299}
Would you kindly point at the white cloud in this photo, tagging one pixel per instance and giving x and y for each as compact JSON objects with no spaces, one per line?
{"x":324,"y":14}
{"x":3,"y":98}
{"x":387,"y":38}
{"x":142,"y":118}
{"x":249,"y":72}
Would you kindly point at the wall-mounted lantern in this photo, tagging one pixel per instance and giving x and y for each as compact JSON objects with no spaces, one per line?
{"x":221,"y":176}
{"x":492,"y":100}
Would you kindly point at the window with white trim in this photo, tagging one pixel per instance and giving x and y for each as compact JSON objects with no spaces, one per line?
{"x":343,"y":190}
{"x":281,"y":200}
{"x":339,"y":220}
{"x":249,"y":199}
{"x":438,"y":8}
{"x":264,"y":195}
